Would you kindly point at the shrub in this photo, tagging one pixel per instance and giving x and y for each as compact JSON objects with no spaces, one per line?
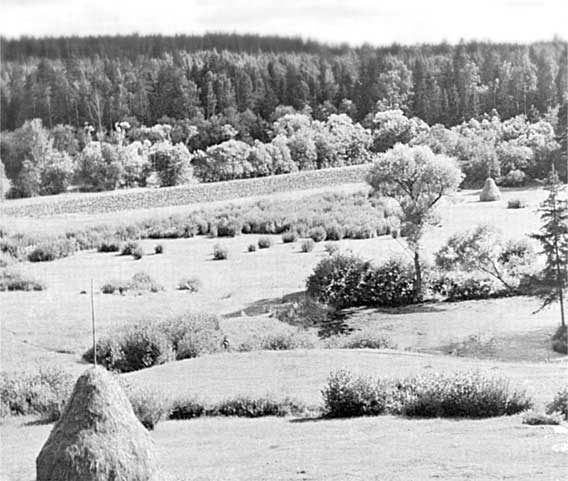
{"x":284,"y":341}
{"x":462,"y":287}
{"x":141,"y":281}
{"x":514,"y":178}
{"x":42,"y":393}
{"x":251,"y":248}
{"x":331,"y":249}
{"x":389,"y":284}
{"x":149,"y":406}
{"x":289,"y":237}
{"x":249,"y":407}
{"x":158,"y":249}
{"x":191,"y":284}
{"x":347,"y":396}
{"x":128,"y":248}
{"x":559,"y":404}
{"x":264,"y":243}
{"x":51,"y":250}
{"x":220,"y":252}
{"x":307,"y":246}
{"x":459,"y":395}
{"x":337,"y":281}
{"x":15,"y":281}
{"x":226,"y":228}
{"x":109,"y":245}
{"x":138,"y":253}
{"x":516,"y":204}
{"x":533,"y":418}
{"x":560,"y":340}
{"x":193,"y":334}
{"x":317,"y":234}
{"x":360,"y":340}
{"x":333,"y":232}
{"x":187,"y":409}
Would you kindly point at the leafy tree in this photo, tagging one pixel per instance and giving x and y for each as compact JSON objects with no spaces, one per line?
{"x":391,"y":127}
{"x":553,"y":238}
{"x":172,"y":163}
{"x":482,"y":249}
{"x":417,"y":179}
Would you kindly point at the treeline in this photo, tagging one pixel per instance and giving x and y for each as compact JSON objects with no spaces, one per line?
{"x":215,"y":80}
{"x":41,"y":161}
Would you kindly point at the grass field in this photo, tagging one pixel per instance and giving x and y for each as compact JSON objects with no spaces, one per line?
{"x":499,"y":336}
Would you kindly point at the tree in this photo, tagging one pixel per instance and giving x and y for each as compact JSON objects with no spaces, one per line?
{"x":553,"y":238}
{"x":482,"y":249}
{"x":417,"y":179}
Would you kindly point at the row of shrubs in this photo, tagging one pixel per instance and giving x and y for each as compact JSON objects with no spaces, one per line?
{"x":472,"y":395}
{"x":11,"y":280}
{"x":320,"y":217}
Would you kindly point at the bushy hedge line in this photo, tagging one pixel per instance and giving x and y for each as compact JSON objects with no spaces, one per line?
{"x":16,"y":281}
{"x":471,"y":395}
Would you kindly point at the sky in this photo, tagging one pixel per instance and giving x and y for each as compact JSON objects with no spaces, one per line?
{"x":355,"y":22}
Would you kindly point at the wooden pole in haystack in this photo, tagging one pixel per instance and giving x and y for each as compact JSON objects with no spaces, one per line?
{"x":93,"y":325}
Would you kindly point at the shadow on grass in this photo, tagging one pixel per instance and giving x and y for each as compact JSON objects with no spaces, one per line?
{"x":39,"y":422}
{"x":264,"y":306}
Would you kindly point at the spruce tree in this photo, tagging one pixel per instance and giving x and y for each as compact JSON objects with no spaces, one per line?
{"x":553,"y":238}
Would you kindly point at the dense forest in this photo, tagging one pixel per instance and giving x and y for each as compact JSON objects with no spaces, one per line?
{"x":107,"y":112}
{"x":243,"y":78}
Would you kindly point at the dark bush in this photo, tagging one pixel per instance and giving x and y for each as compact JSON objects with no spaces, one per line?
{"x":560,"y":340}
{"x":128,"y":248}
{"x":149,"y":406}
{"x":109,"y":245}
{"x":348,"y":396}
{"x":516,"y":204}
{"x":251,"y":248}
{"x":158,"y":249}
{"x":138,"y":253}
{"x":390,"y":284}
{"x":220,"y":252}
{"x":228,"y":228}
{"x":187,"y":409}
{"x":264,"y":243}
{"x":143,"y":345}
{"x":338,"y":281}
{"x":333,"y":232}
{"x":140,"y":282}
{"x":317,"y":234}
{"x":541,"y":419}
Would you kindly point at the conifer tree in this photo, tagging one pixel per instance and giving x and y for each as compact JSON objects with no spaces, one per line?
{"x":553,"y":238}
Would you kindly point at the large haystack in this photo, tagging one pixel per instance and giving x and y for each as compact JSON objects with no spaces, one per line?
{"x":98,"y":437}
{"x":490,"y":191}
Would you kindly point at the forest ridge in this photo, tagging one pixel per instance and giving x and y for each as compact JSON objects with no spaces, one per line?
{"x":241,"y":79}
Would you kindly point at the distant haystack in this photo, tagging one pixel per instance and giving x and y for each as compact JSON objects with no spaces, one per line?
{"x":490,"y":191}
{"x":98,"y":437}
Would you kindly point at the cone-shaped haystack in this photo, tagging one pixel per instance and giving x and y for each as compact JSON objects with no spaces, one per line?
{"x":98,"y":437}
{"x":490,"y":191}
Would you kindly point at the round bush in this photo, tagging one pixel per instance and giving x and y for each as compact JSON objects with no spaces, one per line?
{"x":317,"y":234}
{"x":289,"y":237}
{"x":334,"y":232}
{"x":390,"y":284}
{"x":158,"y":249}
{"x":220,"y":252}
{"x":307,"y":245}
{"x":251,"y":248}
{"x":264,"y":243}
{"x":338,"y":281}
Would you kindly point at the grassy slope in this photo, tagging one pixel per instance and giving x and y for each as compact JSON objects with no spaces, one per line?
{"x":37,"y":325}
{"x":358,"y":449}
